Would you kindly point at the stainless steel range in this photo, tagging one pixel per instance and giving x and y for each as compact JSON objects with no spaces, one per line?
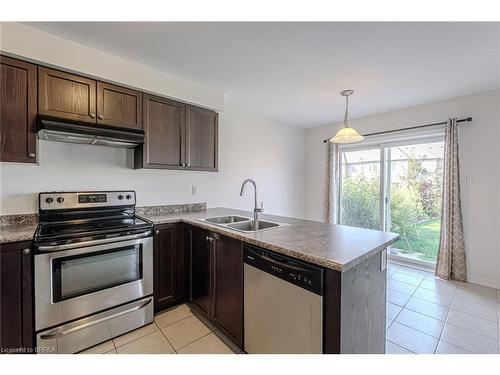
{"x":93,"y":269}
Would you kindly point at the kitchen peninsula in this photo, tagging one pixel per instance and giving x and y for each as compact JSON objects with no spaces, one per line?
{"x":201,"y":262}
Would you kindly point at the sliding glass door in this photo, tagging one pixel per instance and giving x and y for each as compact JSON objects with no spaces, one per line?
{"x":395,"y":187}
{"x":360,"y":185}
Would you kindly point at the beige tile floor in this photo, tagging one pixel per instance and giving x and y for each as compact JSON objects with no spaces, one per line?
{"x":424,"y":315}
{"x":428,"y":315}
{"x":175,"y":331}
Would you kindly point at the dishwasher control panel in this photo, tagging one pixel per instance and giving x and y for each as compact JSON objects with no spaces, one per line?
{"x":304,"y":275}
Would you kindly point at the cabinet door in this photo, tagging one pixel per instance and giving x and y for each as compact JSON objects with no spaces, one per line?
{"x":164,"y":128}
{"x":200,"y":269}
{"x":169,"y":266}
{"x":118,"y":106}
{"x":227,"y":299}
{"x":16,"y":292}
{"x":18,"y":90}
{"x":66,"y":96}
{"x":201,"y":139}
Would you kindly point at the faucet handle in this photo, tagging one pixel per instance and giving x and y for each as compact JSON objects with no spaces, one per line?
{"x":261,"y":209}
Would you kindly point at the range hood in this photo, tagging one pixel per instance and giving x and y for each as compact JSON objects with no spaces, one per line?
{"x":54,"y":129}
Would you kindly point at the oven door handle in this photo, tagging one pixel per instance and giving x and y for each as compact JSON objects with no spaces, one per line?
{"x":93,"y":242}
{"x":60,"y":333}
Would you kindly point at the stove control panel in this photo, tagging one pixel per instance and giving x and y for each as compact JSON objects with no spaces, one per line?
{"x":76,"y":200}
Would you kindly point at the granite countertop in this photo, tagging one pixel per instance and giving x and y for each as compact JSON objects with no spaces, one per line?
{"x":338,"y":247}
{"x":17,"y":232}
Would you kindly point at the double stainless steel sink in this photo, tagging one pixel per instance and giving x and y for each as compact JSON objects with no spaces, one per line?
{"x":242,"y":224}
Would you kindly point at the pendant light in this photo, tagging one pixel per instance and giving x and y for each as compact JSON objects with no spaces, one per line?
{"x":347,"y":134}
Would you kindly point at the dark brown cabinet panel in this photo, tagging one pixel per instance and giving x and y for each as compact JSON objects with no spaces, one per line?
{"x":164,"y":128}
{"x":16,"y":292}
{"x":201,"y":139}
{"x":199,"y":250}
{"x":216,"y":279}
{"x":227,"y":295}
{"x":118,"y":106}
{"x":18,"y":90}
{"x":65,"y":95}
{"x":170,"y":265}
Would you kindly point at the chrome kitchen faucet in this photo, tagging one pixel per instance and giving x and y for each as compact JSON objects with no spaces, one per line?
{"x":256,"y":209}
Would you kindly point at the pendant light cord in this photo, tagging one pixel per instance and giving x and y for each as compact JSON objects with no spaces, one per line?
{"x":346,"y":110}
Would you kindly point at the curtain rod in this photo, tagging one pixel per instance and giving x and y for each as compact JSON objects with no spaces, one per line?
{"x":468,"y":119}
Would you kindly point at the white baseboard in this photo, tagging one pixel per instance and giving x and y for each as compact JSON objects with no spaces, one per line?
{"x":484,"y":282}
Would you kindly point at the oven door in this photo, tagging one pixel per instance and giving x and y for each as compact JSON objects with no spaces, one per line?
{"x":74,"y":283}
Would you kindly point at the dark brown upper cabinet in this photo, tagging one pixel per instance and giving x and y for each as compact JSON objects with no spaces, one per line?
{"x":118,"y":106}
{"x":178,"y":136}
{"x":201,"y":139}
{"x":18,"y":90}
{"x":66,"y":96}
{"x":164,"y":128}
{"x":69,"y":96}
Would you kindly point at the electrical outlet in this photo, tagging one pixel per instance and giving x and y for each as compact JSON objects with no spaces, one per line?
{"x":195,"y":190}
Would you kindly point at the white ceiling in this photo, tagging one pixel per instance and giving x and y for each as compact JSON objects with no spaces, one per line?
{"x":293,"y":72}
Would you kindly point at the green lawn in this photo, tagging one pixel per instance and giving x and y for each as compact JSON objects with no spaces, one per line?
{"x":425,"y":244}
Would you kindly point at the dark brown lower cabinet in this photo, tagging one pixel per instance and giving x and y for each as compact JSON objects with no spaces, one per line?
{"x":217,"y":280}
{"x":170,"y":272}
{"x":200,"y":266}
{"x":16,"y":291}
{"x":227,"y":287}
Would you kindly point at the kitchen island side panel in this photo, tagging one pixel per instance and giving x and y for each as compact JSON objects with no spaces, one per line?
{"x":363,"y":305}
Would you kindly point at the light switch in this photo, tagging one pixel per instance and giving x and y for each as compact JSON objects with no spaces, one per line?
{"x":194,"y":190}
{"x":469,"y":180}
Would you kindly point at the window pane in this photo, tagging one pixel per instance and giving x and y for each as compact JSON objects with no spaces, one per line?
{"x":415,"y":193}
{"x":360,"y":189}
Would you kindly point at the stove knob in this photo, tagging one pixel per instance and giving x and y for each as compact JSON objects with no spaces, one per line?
{"x":60,"y":199}
{"x":128,"y":196}
{"x":49,"y":200}
{"x":120,"y":197}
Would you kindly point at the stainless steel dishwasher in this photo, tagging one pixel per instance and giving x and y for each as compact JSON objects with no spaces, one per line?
{"x":283,"y":304}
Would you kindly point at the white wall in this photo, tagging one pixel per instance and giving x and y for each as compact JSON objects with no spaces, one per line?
{"x":26,"y":42}
{"x":479,"y":159}
{"x":250,"y":147}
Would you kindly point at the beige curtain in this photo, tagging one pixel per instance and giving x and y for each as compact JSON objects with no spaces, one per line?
{"x":330,"y":202}
{"x":451,"y":255}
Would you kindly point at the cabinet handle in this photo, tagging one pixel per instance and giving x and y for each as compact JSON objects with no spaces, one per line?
{"x":31,"y":155}
{"x":157,"y":231}
{"x":188,"y":165}
{"x":100,"y":116}
{"x":92,"y":115}
{"x":26,"y":251}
